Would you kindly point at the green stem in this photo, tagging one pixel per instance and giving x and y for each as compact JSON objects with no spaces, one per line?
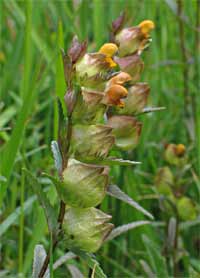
{"x":21,"y":228}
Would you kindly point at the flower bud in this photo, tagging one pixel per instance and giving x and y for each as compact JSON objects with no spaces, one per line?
{"x":136,"y":99}
{"x":86,"y":229}
{"x":164,"y":180}
{"x":126,"y":131}
{"x":186,"y":209}
{"x":133,"y":39}
{"x":132,"y":65}
{"x":84,"y":185}
{"x":90,"y":141}
{"x":175,"y":154}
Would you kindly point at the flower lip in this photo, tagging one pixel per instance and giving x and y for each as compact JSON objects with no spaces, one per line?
{"x":108,"y":49}
{"x":146,"y":26}
{"x":114,"y":95}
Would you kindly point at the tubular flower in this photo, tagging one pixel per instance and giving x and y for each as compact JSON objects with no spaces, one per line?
{"x":115,"y":91}
{"x":109,"y":50}
{"x":86,"y":229}
{"x":92,"y":68}
{"x":134,"y":39}
{"x":164,"y":181}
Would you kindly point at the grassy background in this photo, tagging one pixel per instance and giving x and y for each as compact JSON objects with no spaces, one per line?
{"x":32,"y":33}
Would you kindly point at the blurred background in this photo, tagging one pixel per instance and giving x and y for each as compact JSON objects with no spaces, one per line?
{"x":32,"y":34}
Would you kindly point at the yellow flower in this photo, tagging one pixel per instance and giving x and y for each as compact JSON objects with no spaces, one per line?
{"x":146,"y":26}
{"x":180,"y":150}
{"x":109,"y":50}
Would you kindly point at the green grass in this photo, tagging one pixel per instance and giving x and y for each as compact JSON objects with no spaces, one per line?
{"x":32,"y":33}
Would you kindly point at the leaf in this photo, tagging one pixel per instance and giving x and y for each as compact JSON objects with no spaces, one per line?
{"x":119,"y":161}
{"x":112,"y":161}
{"x":74,"y":271}
{"x":38,"y":260}
{"x":155,"y":258}
{"x":147,"y":269}
{"x":56,"y":155}
{"x":151,"y":109}
{"x":63,"y":259}
{"x":187,"y":224}
{"x":115,"y":191}
{"x":171,"y":232}
{"x":48,"y":209}
{"x":5,"y":225}
{"x":124,"y":228}
{"x":92,"y":262}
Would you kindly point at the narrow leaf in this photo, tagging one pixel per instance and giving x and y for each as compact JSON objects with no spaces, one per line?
{"x":115,"y":191}
{"x":56,"y":155}
{"x":48,"y":209}
{"x":63,"y":259}
{"x":152,"y":109}
{"x":74,"y":271}
{"x":171,"y":232}
{"x":155,"y":258}
{"x":147,"y":269}
{"x":38,"y":260}
{"x":92,"y":262}
{"x":5,"y":225}
{"x":124,"y":228}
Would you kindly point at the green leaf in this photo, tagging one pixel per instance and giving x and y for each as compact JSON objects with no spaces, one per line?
{"x":48,"y":209}
{"x":38,"y":260}
{"x":56,"y":155}
{"x":5,"y":225}
{"x":147,"y":269}
{"x":155,"y":258}
{"x":111,"y":161}
{"x":124,"y":228}
{"x":92,"y":262}
{"x":115,"y":191}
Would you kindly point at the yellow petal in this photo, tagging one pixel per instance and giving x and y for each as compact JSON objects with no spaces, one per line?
{"x":110,"y":61}
{"x":108,"y":49}
{"x":180,"y":149}
{"x":146,"y":26}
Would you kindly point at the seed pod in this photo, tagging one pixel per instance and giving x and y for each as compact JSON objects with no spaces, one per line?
{"x":164,"y":180}
{"x":186,"y":209}
{"x":90,"y":141}
{"x":84,"y":185}
{"x":126,"y":131}
{"x":136,"y":99}
{"x":86,"y":229}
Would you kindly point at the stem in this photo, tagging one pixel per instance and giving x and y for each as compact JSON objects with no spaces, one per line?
{"x":62,"y":204}
{"x":21,"y":231}
{"x":184,"y":58}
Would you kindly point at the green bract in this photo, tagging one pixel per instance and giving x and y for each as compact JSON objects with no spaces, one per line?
{"x":83,"y":185}
{"x":85,"y":229}
{"x":89,"y":141}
